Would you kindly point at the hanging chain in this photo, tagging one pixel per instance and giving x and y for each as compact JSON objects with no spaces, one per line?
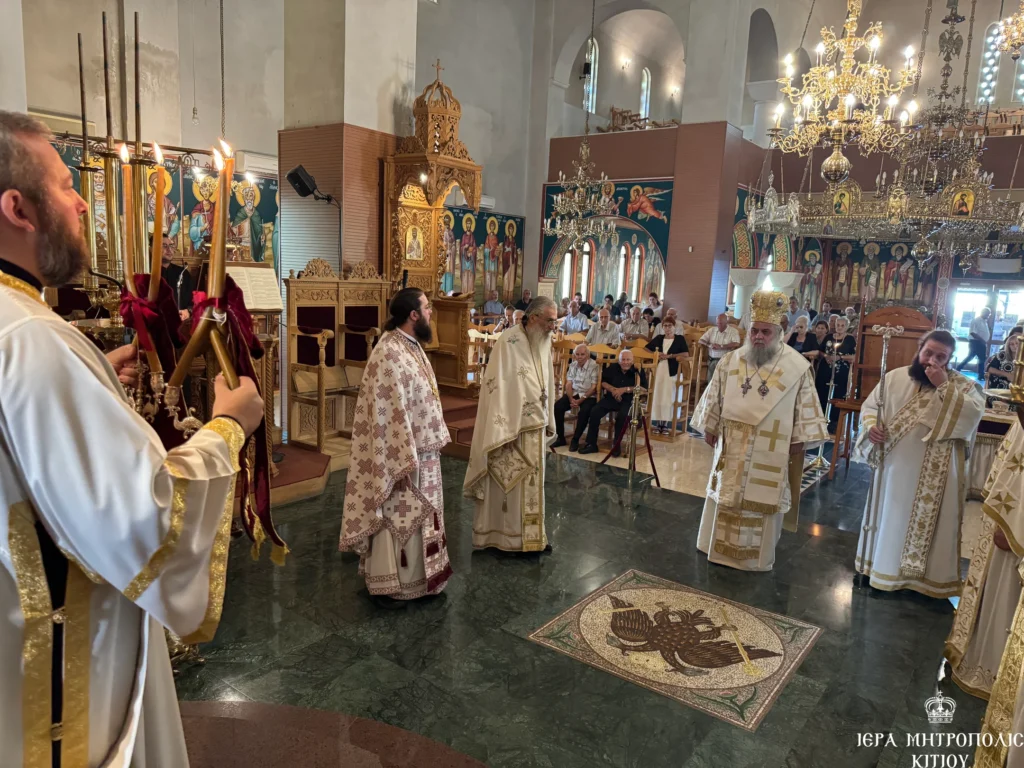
{"x":192,"y":22}
{"x":967,"y":58}
{"x":807,"y":24}
{"x":223,"y":129}
{"x":924,"y":42}
{"x":590,"y":77}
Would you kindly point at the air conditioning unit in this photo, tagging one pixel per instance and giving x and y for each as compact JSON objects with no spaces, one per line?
{"x":486,"y":201}
{"x":254,"y":162}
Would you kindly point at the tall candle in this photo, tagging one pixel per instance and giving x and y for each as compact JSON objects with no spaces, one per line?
{"x":218,"y":160}
{"x":156,"y":259}
{"x":129,"y":219}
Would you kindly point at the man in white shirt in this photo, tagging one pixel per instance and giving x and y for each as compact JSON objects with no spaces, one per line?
{"x":580,"y":386}
{"x":980,"y":333}
{"x":795,"y":312}
{"x":605,"y":331}
{"x":719,"y":340}
{"x":635,"y":327}
{"x":575,"y":321}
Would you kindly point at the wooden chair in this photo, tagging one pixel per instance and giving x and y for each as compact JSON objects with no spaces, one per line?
{"x":480,"y":345}
{"x":682,"y":393}
{"x":642,"y":359}
{"x":561,"y":357}
{"x":312,"y":385}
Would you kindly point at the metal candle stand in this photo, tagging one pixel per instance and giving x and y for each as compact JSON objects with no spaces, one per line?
{"x":636,"y":418}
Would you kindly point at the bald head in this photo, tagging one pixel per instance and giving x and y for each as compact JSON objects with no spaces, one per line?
{"x":722,"y":321}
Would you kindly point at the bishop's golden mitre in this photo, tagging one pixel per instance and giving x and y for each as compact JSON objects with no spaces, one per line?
{"x":768,"y":307}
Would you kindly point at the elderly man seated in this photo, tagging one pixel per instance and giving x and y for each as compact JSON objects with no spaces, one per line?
{"x":575,"y":321}
{"x":617,"y":383}
{"x":492,"y":309}
{"x":604,"y":331}
{"x":580,"y":386}
{"x":635,"y":327}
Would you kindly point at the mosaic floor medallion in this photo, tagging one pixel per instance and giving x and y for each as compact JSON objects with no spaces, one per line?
{"x":723,"y":658}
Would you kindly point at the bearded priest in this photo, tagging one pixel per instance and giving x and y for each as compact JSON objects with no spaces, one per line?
{"x":985,"y":611}
{"x":394,"y":507}
{"x":911,"y":534}
{"x":515,"y":421}
{"x":760,"y":413}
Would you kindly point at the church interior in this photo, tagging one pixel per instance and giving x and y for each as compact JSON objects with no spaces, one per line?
{"x":644,"y":165}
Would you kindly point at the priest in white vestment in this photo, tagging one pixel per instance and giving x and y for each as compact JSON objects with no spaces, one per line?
{"x":985,"y":611}
{"x":910,"y":538}
{"x":759,"y":409}
{"x":1002,"y":728}
{"x":394,"y":505}
{"x":515,"y":422}
{"x":105,"y":537}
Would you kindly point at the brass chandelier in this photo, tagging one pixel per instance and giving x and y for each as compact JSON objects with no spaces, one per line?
{"x":938,"y":197}
{"x":844,"y":100}
{"x":579,"y":207}
{"x":1012,"y":33}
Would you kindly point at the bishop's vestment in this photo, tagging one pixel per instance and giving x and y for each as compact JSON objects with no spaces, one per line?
{"x":917,"y":503}
{"x":757,"y":416}
{"x":104,"y":537}
{"x":514,"y":421}
{"x":984,"y":613}
{"x":394,"y":505}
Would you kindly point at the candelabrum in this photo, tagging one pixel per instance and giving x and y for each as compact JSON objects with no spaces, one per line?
{"x":840,"y":101}
{"x":1011,"y":34}
{"x":578,"y":209}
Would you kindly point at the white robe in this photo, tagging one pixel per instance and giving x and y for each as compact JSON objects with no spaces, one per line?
{"x":985,"y":611}
{"x":916,"y":505}
{"x":748,"y":492}
{"x":514,"y":424}
{"x":146,"y":534}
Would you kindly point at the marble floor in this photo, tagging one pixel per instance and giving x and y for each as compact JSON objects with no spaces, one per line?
{"x":459,"y":671}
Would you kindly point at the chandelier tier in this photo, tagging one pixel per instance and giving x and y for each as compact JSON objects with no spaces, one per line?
{"x":1012,"y":33}
{"x":844,"y":100}
{"x":578,"y":209}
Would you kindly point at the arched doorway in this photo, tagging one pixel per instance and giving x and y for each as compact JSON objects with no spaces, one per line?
{"x":762,"y":96}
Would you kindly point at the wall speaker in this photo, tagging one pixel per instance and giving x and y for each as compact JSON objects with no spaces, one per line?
{"x":303,"y":184}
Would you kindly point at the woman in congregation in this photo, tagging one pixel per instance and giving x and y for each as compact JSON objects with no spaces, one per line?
{"x":802,"y":340}
{"x":999,"y":368}
{"x":671,"y":351}
{"x":840,"y":355}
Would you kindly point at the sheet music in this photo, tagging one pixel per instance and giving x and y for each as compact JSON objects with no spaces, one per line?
{"x":259,"y":286}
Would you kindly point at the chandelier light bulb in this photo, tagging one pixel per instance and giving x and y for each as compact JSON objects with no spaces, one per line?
{"x":808,"y":101}
{"x":909,"y":52}
{"x":893,"y":100}
{"x":788,"y":61}
{"x":790,"y":71}
{"x":874,"y":43}
{"x":820,"y":49}
{"x":904,"y":117}
{"x":912,"y":107}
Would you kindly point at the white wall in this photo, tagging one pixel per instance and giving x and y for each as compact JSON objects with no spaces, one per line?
{"x":380,"y":64}
{"x":486,"y":48}
{"x":254,"y":73}
{"x":620,"y":88}
{"x":13,"y":95}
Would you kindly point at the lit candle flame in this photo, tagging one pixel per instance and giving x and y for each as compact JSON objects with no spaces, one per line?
{"x":226,"y":147}
{"x":125,"y":157}
{"x":250,"y":178}
{"x":158,"y":154}
{"x":218,"y":160}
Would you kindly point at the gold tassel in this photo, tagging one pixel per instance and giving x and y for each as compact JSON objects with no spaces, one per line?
{"x":278,"y":553}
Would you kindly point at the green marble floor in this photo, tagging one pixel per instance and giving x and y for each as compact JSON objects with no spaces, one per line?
{"x":459,"y":670}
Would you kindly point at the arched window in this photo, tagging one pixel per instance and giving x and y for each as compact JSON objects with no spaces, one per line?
{"x":636,"y":269}
{"x":567,"y":270}
{"x":645,"y":93}
{"x":661,"y":287}
{"x":1018,"y":82}
{"x":620,"y":282}
{"x":590,"y":84}
{"x":584,"y":286}
{"x":988,"y":74}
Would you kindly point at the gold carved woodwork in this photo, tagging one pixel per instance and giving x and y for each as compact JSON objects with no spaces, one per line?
{"x":363,"y":270}
{"x":417,"y":180}
{"x":313,"y":294}
{"x":366,"y":297}
{"x":318,"y":268}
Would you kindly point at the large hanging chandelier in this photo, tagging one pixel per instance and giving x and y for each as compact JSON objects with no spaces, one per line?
{"x":938,"y":197}
{"x":844,"y":100}
{"x":1011,"y":32}
{"x":578,"y":210}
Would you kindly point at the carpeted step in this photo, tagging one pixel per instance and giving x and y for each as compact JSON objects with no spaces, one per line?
{"x":462,"y":430}
{"x":457,"y":408}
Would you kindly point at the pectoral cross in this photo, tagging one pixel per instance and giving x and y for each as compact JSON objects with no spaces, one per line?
{"x":745,"y":387}
{"x":543,"y":399}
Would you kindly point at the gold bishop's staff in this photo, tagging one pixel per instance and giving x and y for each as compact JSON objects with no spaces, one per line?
{"x":867,"y":541}
{"x":748,"y":665}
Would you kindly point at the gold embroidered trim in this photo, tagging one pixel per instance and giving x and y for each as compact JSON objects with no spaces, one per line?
{"x":999,"y":714}
{"x":924,"y":515}
{"x":74,"y":746}
{"x":21,"y":287}
{"x":970,"y":600}
{"x":975,"y":690}
{"x":998,"y":518}
{"x":737,"y":553}
{"x":168,"y":546}
{"x":233,"y":436}
{"x":757,"y":506}
{"x":37,"y":642}
{"x":218,"y":567}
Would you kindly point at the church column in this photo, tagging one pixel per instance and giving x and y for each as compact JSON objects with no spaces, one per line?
{"x":786,"y":282}
{"x":716,"y":61}
{"x":547,"y":99}
{"x":314,"y":63}
{"x":745,"y":282}
{"x":765,"y":94}
{"x":13,"y":94}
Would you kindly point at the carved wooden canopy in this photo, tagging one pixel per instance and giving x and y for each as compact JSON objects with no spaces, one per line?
{"x":436,"y":150}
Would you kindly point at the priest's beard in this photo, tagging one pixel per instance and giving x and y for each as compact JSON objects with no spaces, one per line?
{"x":759,"y":357}
{"x":422,"y":331}
{"x":537,"y":335}
{"x":61,"y":254}
{"x":917,"y":373}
